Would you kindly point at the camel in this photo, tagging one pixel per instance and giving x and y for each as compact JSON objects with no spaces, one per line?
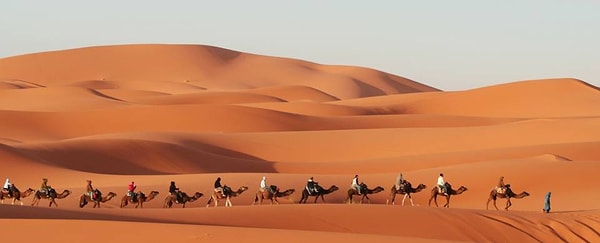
{"x":405,"y":190}
{"x":365,"y":193}
{"x":267,"y":194}
{"x":228,"y":195}
{"x":51,"y":196}
{"x":172,"y":199}
{"x":85,"y":199}
{"x":508,"y":194}
{"x":320,"y":193}
{"x":435,"y":192}
{"x":139,"y":199}
{"x":17,"y":195}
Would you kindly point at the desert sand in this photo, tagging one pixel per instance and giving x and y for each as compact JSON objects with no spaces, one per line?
{"x":191,"y":113}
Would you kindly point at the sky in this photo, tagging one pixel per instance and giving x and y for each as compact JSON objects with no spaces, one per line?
{"x":450,"y":45}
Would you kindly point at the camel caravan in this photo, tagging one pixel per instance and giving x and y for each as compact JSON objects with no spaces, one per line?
{"x":271,"y":193}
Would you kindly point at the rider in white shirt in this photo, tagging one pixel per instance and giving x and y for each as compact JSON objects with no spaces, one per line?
{"x":355,"y":184}
{"x":8,"y":187}
{"x":263,"y":184}
{"x":7,"y":184}
{"x":441,"y":183}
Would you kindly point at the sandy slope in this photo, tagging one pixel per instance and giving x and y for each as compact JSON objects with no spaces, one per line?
{"x":157,"y":113}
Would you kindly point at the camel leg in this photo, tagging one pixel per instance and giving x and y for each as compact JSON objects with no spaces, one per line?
{"x":409,"y":197}
{"x":508,"y":204}
{"x":391,"y":198}
{"x":447,"y":205}
{"x":209,"y":201}
{"x":495,"y":204}
{"x":434,"y":198}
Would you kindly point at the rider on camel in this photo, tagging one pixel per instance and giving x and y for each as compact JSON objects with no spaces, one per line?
{"x":356,"y":185}
{"x":264,"y":187}
{"x":44,"y":188}
{"x":131,"y":189}
{"x":442,"y":184}
{"x":399,"y":182}
{"x":89,"y":189}
{"x":8,"y":187}
{"x":312,"y":186}
{"x":501,"y":187}
{"x":218,"y":187}
{"x":174,"y":190}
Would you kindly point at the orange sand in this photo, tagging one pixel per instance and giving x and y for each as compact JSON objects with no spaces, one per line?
{"x":157,"y":113}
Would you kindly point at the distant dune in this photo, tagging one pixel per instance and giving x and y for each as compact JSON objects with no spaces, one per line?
{"x":192,"y":113}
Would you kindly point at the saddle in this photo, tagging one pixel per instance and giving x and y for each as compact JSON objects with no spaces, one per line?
{"x":503,"y":190}
{"x":179,"y":197}
{"x":403,"y":185}
{"x":96,"y":194}
{"x":314,"y":189}
{"x":363,"y":189}
{"x":133,"y":196}
{"x":444,"y":189}
{"x":50,"y":192}
{"x":227,"y":190}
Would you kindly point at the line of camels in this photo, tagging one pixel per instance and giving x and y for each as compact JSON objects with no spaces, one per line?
{"x":140,"y":198}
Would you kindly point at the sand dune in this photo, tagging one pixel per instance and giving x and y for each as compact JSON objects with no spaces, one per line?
{"x":191,"y":113}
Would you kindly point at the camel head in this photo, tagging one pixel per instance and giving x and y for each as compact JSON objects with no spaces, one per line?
{"x":288,"y":192}
{"x":111,"y":194}
{"x":153,"y":193}
{"x":243,"y":188}
{"x":461,"y":189}
{"x":521,"y":195}
{"x":198,"y":195}
{"x":333,"y":188}
{"x":66,"y":193}
{"x":378,"y":189}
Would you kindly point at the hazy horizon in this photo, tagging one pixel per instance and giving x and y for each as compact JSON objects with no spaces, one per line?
{"x":448,"y":45}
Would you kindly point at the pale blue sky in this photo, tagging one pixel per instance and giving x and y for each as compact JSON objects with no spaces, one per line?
{"x":448,"y":44}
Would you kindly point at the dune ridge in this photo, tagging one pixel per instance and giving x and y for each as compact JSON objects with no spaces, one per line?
{"x":191,"y":113}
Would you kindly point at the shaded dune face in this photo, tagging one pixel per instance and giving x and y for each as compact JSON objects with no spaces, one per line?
{"x":191,"y":113}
